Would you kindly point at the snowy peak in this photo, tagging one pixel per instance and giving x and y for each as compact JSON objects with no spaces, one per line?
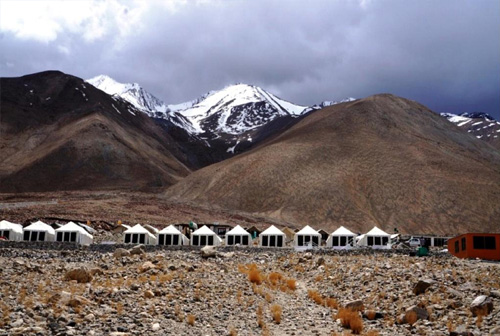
{"x":481,"y":125}
{"x":236,"y":109}
{"x":133,"y":93}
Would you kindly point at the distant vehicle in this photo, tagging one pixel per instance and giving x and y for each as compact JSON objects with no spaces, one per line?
{"x":414,"y":242}
{"x":3,"y":238}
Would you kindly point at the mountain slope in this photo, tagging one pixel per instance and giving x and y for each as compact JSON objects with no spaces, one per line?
{"x":382,"y":160}
{"x":59,"y":133}
{"x":481,"y":125}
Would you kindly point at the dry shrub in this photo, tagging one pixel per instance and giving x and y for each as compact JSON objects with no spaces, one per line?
{"x":255,"y":275}
{"x":291,"y":284}
{"x":318,"y":278}
{"x":268,"y":297}
{"x":276,"y":313}
{"x":119,"y":308}
{"x":274,"y":278}
{"x":332,"y":303}
{"x":190,"y":319}
{"x":350,"y":319}
{"x":260,"y":320}
{"x":315,"y":296}
{"x":411,"y":317}
{"x":233,"y":332}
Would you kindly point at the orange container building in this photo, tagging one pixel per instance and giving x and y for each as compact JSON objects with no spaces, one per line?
{"x":476,"y":245}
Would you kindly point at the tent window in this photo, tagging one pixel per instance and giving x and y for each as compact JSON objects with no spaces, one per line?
{"x":26,"y":235}
{"x":300,"y":240}
{"x":168,"y":239}
{"x":203,"y":240}
{"x":335,"y":241}
{"x":370,"y":241}
{"x":237,"y":239}
{"x":264,"y":241}
{"x":385,"y":240}
{"x":280,"y":241}
{"x":41,"y":236}
{"x":59,"y":236}
{"x":272,"y":241}
{"x":142,"y":238}
{"x":73,"y":236}
{"x":245,"y":240}
{"x":195,"y":240}
{"x":175,"y":239}
{"x":127,"y":238}
{"x":230,"y":240}
{"x":161,"y":239}
{"x":66,"y":236}
{"x":378,"y":241}
{"x":457,"y":247}
{"x":463,"y":244}
{"x":343,"y":241}
{"x":135,"y":238}
{"x":34,"y":236}
{"x":211,"y":240}
{"x":315,"y":240}
{"x":6,"y":234}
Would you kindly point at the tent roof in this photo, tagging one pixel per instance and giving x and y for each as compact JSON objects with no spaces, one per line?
{"x":138,"y":228}
{"x":5,"y":225}
{"x":40,"y":226}
{"x":272,"y":231}
{"x":342,"y":231}
{"x":170,"y":229}
{"x":204,"y":230}
{"x":238,"y":231}
{"x":72,"y":227}
{"x":308,"y":231}
{"x":377,"y":232}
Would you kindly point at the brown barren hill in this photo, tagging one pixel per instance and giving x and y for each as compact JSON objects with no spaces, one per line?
{"x":382,"y":160}
{"x":58,"y":132}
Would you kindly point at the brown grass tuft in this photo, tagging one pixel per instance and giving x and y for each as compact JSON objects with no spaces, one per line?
{"x":276,"y":313}
{"x":254,"y":275}
{"x":332,"y":303}
{"x":411,"y":317}
{"x":190,"y":319}
{"x":291,"y":284}
{"x":315,"y":296}
{"x":350,"y":319}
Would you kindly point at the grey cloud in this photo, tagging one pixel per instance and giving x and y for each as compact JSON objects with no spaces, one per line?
{"x":444,"y":54}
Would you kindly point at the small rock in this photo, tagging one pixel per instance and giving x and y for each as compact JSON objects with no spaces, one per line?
{"x":17,"y":323}
{"x":356,"y":305}
{"x":495,"y":331}
{"x":320,"y":261}
{"x":414,"y":314}
{"x":121,"y":252}
{"x":481,"y":306}
{"x":89,"y":317}
{"x":149,"y":294}
{"x":81,"y":275}
{"x":208,"y":252}
{"x":155,"y":327}
{"x":171,"y":267}
{"x":422,"y":286}
{"x":148,"y":265}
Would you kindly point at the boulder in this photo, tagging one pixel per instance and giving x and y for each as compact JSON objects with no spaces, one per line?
{"x":413,"y":314}
{"x":208,"y":252}
{"x":422,"y":286}
{"x":481,"y":306}
{"x":137,"y":250}
{"x":121,"y":252}
{"x":81,"y":275}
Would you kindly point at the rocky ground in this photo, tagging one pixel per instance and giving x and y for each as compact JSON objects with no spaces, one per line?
{"x":244,"y":292}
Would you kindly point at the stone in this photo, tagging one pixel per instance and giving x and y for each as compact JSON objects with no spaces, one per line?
{"x":308,"y":255}
{"x":419,"y":314}
{"x":149,"y":294}
{"x":155,"y":327}
{"x":481,"y":306}
{"x":422,"y":286}
{"x":96,"y":270}
{"x":495,"y":294}
{"x":81,"y":275}
{"x":17,"y":323}
{"x":89,"y":317}
{"x":463,"y":333}
{"x":119,"y":333}
{"x":320,"y":261}
{"x":148,"y":265}
{"x":171,"y":267}
{"x":356,"y":305}
{"x":78,"y":301}
{"x":121,"y":252}
{"x":137,"y":250}
{"x":208,"y":252}
{"x":495,"y":331}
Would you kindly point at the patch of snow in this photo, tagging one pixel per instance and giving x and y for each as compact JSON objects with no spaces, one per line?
{"x":116,"y":109}
{"x":231,"y":149}
{"x":48,"y":98}
{"x":477,"y":123}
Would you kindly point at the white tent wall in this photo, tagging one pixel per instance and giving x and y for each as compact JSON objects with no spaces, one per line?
{"x":306,"y":236}
{"x":272,"y":237}
{"x":11,"y":231}
{"x":39,"y":231}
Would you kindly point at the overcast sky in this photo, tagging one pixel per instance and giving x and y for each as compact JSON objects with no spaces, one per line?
{"x":444,"y":54}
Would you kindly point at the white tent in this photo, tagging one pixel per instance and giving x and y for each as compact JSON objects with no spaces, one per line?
{"x":39,"y":231}
{"x":238,"y":235}
{"x":138,"y":235}
{"x":204,"y":236}
{"x":375,"y":238}
{"x":272,"y":237}
{"x":11,"y":231}
{"x":307,"y":237}
{"x":171,"y":236}
{"x":74,"y":233}
{"x":341,"y":238}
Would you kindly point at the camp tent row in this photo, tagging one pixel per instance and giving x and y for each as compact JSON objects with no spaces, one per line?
{"x":39,"y":231}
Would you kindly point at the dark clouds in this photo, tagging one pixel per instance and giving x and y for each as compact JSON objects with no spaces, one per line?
{"x":444,"y":54}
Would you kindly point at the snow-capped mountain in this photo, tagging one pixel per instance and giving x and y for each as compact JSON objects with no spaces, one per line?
{"x":482,"y":125}
{"x":233,"y":110}
{"x":133,"y":93}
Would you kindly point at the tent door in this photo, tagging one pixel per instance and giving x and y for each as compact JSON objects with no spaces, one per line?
{"x":6,"y":234}
{"x":26,"y":235}
{"x":280,"y":241}
{"x":237,"y":240}
{"x":230,"y":239}
{"x":335,"y":241}
{"x":203,"y":240}
{"x":41,"y":236}
{"x":264,"y":240}
{"x":168,"y":239}
{"x":161,"y":239}
{"x":72,"y":237}
{"x":272,"y":240}
{"x":211,"y":240}
{"x":175,"y":239}
{"x":195,"y":240}
{"x":142,"y":238}
{"x":59,"y":237}
{"x":370,"y":241}
{"x":66,"y":237}
{"x":245,"y":240}
{"x":127,"y":238}
{"x":343,"y":241}
{"x":315,"y":240}
{"x":300,"y":240}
